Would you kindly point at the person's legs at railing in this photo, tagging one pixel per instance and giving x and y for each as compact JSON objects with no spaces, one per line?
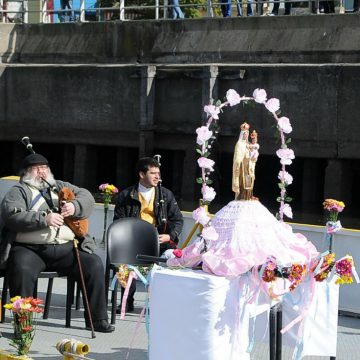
{"x":226,"y":8}
{"x":239,"y":7}
{"x":287,"y":7}
{"x":250,"y":8}
{"x":176,"y":11}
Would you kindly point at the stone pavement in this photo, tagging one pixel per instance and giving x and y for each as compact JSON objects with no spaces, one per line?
{"x":115,"y":346}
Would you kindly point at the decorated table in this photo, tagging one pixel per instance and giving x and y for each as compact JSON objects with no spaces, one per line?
{"x":196,"y":315}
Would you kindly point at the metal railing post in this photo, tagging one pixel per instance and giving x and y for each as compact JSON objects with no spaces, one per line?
{"x":122,"y":9}
{"x":209,"y":8}
{"x":165,"y":14}
{"x":157,"y":9}
{"x":44,"y":12}
{"x":82,"y":10}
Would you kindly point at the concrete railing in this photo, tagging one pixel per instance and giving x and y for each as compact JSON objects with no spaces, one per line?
{"x":50,"y":11}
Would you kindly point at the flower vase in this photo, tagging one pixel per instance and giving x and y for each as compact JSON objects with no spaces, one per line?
{"x":23,"y":333}
{"x":5,"y":355}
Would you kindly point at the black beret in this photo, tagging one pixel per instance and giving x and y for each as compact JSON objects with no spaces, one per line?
{"x":34,"y":159}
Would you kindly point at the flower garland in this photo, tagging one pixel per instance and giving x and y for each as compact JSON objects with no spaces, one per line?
{"x":208,"y":133}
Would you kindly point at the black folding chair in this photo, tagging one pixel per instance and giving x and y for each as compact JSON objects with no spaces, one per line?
{"x":126,"y":238}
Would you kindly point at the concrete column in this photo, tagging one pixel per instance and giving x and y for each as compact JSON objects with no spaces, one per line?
{"x":188,"y":185}
{"x":310,"y":189}
{"x":209,"y":86}
{"x":147,"y":100}
{"x":338,"y":181}
{"x":68,"y":166}
{"x":85,"y":166}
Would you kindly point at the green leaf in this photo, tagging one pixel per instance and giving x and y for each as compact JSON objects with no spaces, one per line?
{"x":209,"y":182}
{"x":199,"y":180}
{"x":218,"y":103}
{"x":288,"y":141}
{"x":281,"y":186}
{"x":278,"y":199}
{"x":199,"y":151}
{"x":288,"y":199}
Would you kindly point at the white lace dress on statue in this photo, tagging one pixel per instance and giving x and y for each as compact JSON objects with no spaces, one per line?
{"x":248,"y":235}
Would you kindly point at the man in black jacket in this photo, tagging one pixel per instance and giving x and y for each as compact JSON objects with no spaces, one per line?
{"x":143,"y":200}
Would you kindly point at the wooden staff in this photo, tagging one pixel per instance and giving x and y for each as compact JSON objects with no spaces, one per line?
{"x":87,"y":306}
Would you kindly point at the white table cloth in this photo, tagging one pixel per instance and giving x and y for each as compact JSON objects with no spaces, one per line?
{"x":198,"y":316}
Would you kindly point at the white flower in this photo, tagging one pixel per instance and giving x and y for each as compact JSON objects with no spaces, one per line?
{"x":203,"y":135}
{"x":273,"y":105}
{"x":208,"y":193}
{"x":260,"y":95}
{"x":212,"y":110}
{"x":284,"y":176}
{"x":284,"y":125}
{"x":286,"y":210}
{"x":200,"y":216}
{"x":206,"y":163}
{"x":285,"y":155}
{"x":233,"y":97}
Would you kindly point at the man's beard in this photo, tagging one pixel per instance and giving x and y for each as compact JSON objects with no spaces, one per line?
{"x":39,"y":184}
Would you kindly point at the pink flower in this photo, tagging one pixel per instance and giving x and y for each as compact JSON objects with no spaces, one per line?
{"x":233,"y":97}
{"x":200,"y":216}
{"x":209,"y":233}
{"x":286,"y":210}
{"x":273,"y":105}
{"x":286,"y":155}
{"x":206,"y":163}
{"x":260,"y":95}
{"x":177,"y":253}
{"x":212,"y":110}
{"x":208,"y":193}
{"x":284,"y":125}
{"x":284,"y":176}
{"x":203,"y":135}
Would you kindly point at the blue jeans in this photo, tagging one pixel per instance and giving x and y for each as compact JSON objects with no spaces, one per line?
{"x":226,"y":8}
{"x":176,"y":11}
{"x":66,"y":4}
{"x":250,"y":8}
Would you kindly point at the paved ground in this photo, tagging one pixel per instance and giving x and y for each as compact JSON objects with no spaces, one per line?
{"x":116,"y":345}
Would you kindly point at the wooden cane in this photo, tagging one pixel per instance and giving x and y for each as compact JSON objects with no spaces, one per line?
{"x":84,"y":288}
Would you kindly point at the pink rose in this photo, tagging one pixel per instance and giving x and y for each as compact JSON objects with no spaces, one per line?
{"x":233,"y":97}
{"x":273,"y":105}
{"x":209,"y":233}
{"x":286,"y":155}
{"x":285,"y":177}
{"x":284,"y":125}
{"x":286,"y":210}
{"x":208,"y":193}
{"x":177,"y":253}
{"x":212,"y":110}
{"x":200,"y":216}
{"x":203,"y":135}
{"x":206,"y":163}
{"x":260,"y":95}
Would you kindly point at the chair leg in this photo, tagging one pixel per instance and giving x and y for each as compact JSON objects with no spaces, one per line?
{"x":113,"y":304}
{"x":107,"y":281}
{"x":77,"y":306}
{"x":48,"y":297}
{"x":4,"y":297}
{"x":69,"y":300}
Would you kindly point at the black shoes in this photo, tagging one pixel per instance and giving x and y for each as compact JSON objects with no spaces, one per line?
{"x":129,"y":308}
{"x":102,"y":326}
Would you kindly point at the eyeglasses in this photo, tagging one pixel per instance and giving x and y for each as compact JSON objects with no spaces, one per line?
{"x":39,"y":167}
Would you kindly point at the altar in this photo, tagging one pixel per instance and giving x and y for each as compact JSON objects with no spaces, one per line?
{"x":195,"y":315}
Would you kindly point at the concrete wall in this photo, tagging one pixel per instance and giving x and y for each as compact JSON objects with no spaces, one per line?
{"x":105,"y":93}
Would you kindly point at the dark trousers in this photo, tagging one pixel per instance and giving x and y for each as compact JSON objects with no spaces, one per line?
{"x":27,"y":261}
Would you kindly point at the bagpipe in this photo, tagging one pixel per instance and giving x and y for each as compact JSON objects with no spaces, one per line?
{"x":161,"y":198}
{"x":79,"y":227}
